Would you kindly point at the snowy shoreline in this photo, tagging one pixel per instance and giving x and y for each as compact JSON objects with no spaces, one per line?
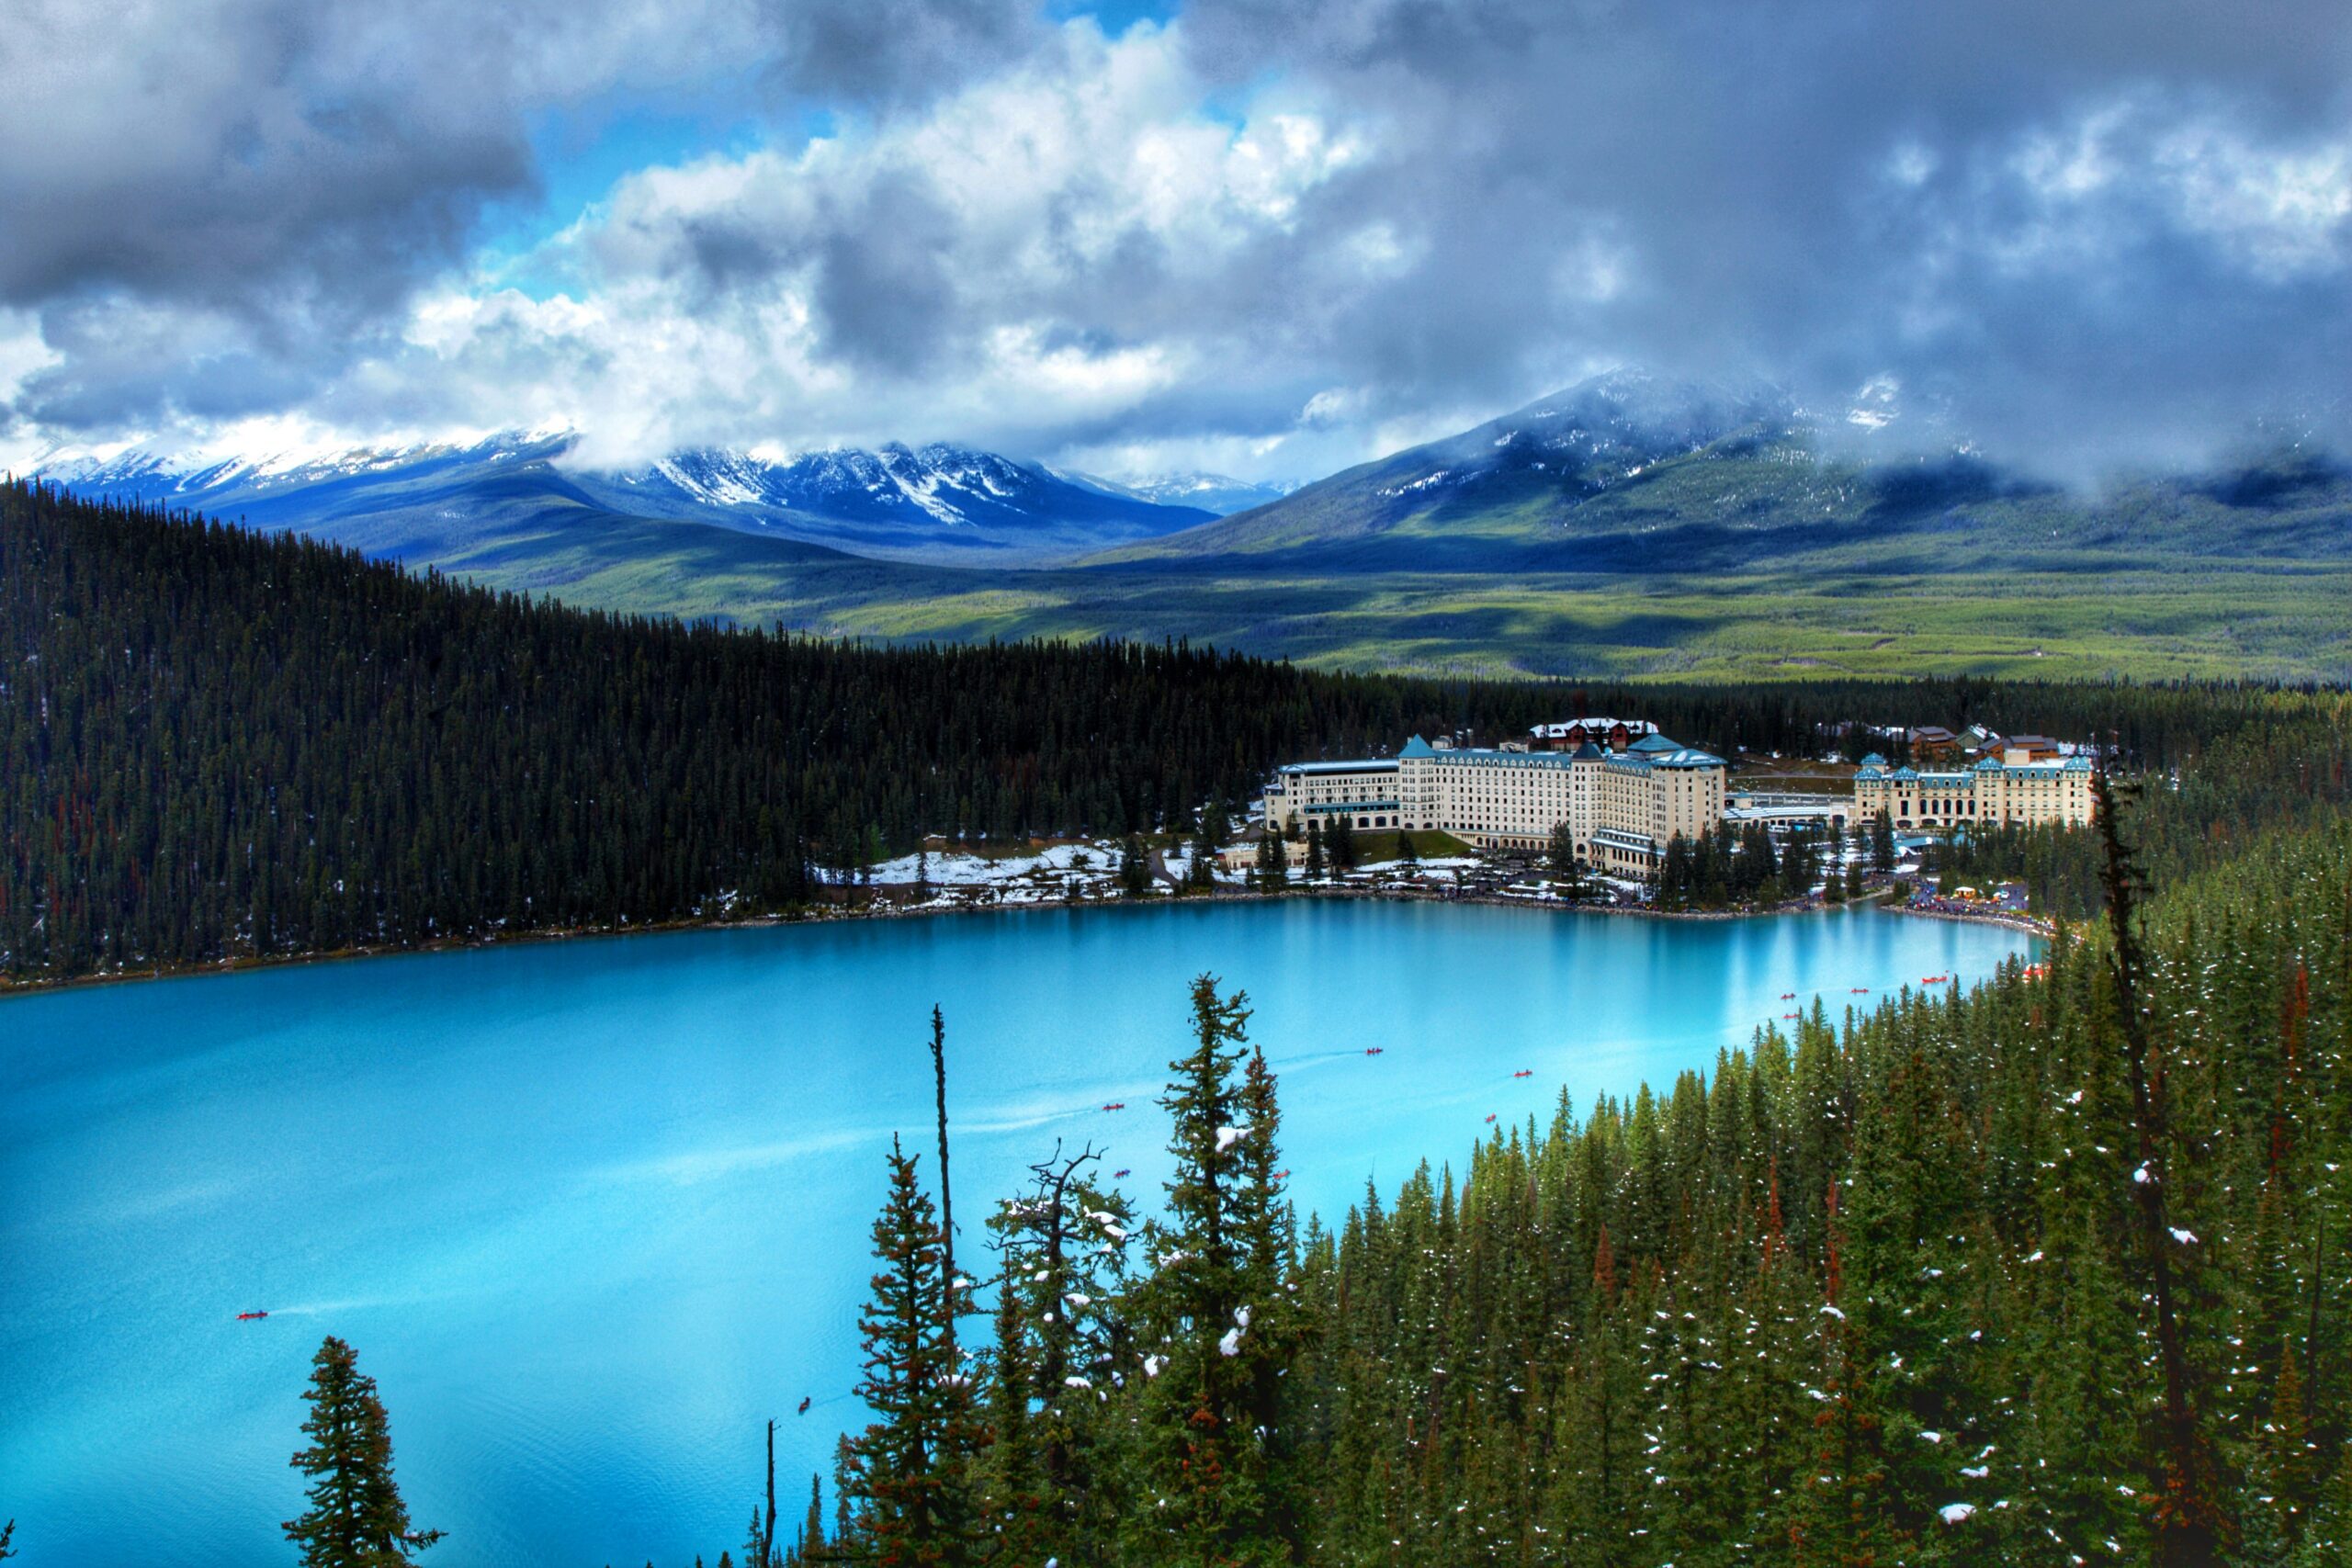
{"x":1012,"y":883}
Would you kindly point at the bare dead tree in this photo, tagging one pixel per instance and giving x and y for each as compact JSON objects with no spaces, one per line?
{"x":2188,"y":1516}
{"x":946,"y":1204}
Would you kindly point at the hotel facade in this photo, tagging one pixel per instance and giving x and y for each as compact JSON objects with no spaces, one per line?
{"x":1621,"y":807}
{"x":2015,"y":787}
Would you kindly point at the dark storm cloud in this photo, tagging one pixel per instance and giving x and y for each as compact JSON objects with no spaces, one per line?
{"x":885,"y":285}
{"x":893,"y":52}
{"x":281,"y":173}
{"x":2067,"y":221}
{"x":276,"y":170}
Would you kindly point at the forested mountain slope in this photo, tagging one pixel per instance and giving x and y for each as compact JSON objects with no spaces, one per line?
{"x":1962,"y":1280}
{"x":215,"y":743}
{"x":1631,"y":474}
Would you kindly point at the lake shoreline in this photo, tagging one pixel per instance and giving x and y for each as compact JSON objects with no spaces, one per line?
{"x":818,"y":916}
{"x":2032,"y":925}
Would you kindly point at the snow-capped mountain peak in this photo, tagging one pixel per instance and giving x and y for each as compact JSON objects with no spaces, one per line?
{"x":1218,"y":493}
{"x":956,"y":485}
{"x":159,"y":470}
{"x":940,"y":501}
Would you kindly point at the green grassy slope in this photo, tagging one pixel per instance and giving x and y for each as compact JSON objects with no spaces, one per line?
{"x":545,"y":540}
{"x":2228,"y":622}
{"x":1896,"y":609}
{"x":1625,"y":529}
{"x":1762,"y":498}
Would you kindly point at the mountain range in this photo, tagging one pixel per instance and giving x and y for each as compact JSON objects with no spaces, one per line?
{"x":1631,"y":474}
{"x":1630,"y":525}
{"x":935,"y":502}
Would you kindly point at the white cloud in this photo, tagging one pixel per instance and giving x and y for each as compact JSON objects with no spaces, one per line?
{"x":2282,"y":211}
{"x":1911,"y":163}
{"x":22,"y":352}
{"x":2146,"y":166}
{"x":1034,"y":237}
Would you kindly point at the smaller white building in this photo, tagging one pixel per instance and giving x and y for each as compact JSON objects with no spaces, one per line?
{"x":2024,"y":785}
{"x":1366,"y":791}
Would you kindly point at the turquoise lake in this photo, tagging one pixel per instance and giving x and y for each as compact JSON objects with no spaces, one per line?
{"x":593,"y":1211}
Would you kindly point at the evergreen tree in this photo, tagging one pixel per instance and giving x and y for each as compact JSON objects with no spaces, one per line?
{"x":1273,"y":863}
{"x":2189,"y":1529}
{"x":1215,"y":827}
{"x":809,"y":1541}
{"x":1563,"y":851}
{"x":2327,"y":1539}
{"x":1135,"y":867}
{"x":1054,"y":1481}
{"x":356,"y":1518}
{"x":1339,"y":843}
{"x":1266,"y":1245}
{"x":1200,"y":1347}
{"x":908,"y":1471}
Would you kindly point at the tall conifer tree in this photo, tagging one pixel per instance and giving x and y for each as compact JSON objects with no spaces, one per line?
{"x":356,"y":1518}
{"x":1200,"y":1343}
{"x":910,"y":1470}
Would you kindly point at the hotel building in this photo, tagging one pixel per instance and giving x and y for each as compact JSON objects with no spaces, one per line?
{"x":1621,"y":807}
{"x":2016,"y":786}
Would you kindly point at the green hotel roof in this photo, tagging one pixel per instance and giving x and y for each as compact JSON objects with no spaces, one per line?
{"x":1360,"y":765}
{"x":1650,"y":750}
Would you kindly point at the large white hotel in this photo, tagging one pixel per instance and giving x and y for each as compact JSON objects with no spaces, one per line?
{"x":1624,"y":790}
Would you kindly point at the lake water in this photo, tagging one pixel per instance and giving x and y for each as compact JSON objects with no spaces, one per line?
{"x":591,"y":1212}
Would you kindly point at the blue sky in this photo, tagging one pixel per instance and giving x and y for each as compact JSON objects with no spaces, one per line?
{"x":1266,"y":237}
{"x":582,"y":149}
